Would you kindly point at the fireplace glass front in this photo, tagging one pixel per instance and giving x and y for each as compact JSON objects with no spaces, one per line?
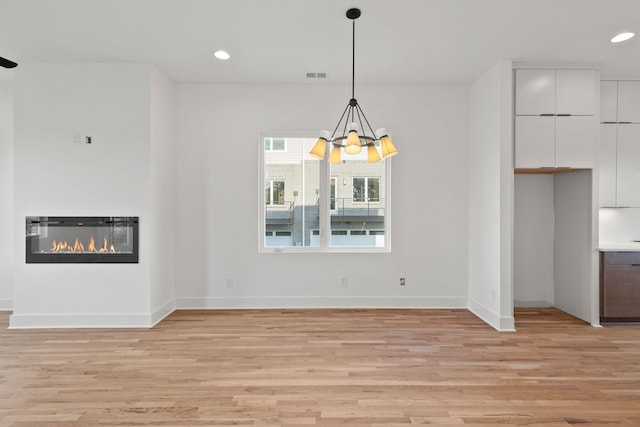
{"x":95,"y":239}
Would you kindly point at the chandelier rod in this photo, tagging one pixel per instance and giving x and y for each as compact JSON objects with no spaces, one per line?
{"x":353,"y":61}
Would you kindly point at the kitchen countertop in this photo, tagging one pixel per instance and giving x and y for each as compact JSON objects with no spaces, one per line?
{"x":625,"y":246}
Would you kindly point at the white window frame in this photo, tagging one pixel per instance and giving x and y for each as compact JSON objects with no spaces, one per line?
{"x":325,"y":212}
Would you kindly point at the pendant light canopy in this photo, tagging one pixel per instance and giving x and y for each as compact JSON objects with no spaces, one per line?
{"x":353,"y":131}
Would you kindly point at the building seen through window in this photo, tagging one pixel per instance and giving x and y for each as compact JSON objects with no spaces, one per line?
{"x":293,"y":184}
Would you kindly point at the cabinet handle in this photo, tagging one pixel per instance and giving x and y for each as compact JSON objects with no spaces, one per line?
{"x":547,"y":115}
{"x":624,"y":123}
{"x":563,"y":115}
{"x":635,"y":265}
{"x":609,"y":123}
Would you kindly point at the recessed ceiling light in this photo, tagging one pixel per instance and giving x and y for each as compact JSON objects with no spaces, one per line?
{"x":221,"y":54}
{"x":622,"y":37}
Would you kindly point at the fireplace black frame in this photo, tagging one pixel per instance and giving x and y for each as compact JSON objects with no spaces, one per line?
{"x":33,"y":222}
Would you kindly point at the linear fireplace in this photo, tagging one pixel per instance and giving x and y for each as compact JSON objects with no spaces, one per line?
{"x":96,"y":239}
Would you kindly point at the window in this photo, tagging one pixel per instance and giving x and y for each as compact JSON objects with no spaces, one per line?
{"x":274,"y":144}
{"x":274,"y":192}
{"x":366,"y":189}
{"x":311,"y":205}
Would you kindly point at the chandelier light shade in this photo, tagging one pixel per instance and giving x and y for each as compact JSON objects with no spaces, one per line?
{"x":318,"y":151}
{"x":353,"y":131}
{"x":388,"y":149}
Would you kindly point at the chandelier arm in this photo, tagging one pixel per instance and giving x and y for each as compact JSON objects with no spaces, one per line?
{"x":346,"y":122}
{"x":367,"y":122}
{"x":364,"y":133}
{"x":340,"y":121}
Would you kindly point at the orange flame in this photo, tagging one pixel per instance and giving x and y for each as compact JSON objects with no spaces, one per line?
{"x":92,"y":245}
{"x":104,"y":246}
{"x":64,"y":246}
{"x":78,"y":246}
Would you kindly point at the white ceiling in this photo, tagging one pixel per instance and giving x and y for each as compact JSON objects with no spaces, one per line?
{"x":279,"y":41}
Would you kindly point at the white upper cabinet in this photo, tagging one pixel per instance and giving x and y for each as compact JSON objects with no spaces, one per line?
{"x":608,"y":101}
{"x":576,"y":92}
{"x":535,"y":141}
{"x":607,"y":160}
{"x":628,"y":182}
{"x":629,"y":101}
{"x":556,"y":92}
{"x":535,"y":92}
{"x":555,"y":124}
{"x":576,"y":138}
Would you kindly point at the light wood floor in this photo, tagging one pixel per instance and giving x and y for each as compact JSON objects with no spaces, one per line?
{"x":323,"y":367}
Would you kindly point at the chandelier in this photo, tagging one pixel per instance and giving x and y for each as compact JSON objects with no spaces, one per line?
{"x":351,"y":133}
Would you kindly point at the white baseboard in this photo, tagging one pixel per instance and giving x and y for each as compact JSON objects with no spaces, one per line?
{"x":319,"y":302}
{"x":6,"y":304}
{"x":499,"y":323}
{"x":43,"y":321}
{"x":162,"y":312}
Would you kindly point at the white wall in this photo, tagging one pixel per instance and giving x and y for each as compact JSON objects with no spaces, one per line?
{"x":54,"y":176}
{"x":6,"y":195}
{"x":619,"y":224}
{"x":163,"y":177}
{"x":533,"y":240}
{"x":491,"y":196}
{"x":576,"y":262}
{"x":218,"y":129}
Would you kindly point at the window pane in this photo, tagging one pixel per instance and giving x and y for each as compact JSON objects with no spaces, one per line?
{"x":278,"y":192}
{"x":292,"y":182}
{"x":267,"y":192}
{"x":359,"y":189}
{"x":373,"y":189}
{"x":267,"y":144}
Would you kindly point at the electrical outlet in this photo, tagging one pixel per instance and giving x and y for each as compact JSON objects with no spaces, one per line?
{"x":402,"y":281}
{"x":494,"y":295}
{"x":228,"y":283}
{"x":344,"y":282}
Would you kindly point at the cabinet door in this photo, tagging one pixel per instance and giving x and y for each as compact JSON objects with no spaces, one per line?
{"x":629,"y":101}
{"x":535,"y":92}
{"x":607,"y":151}
{"x":576,"y":92}
{"x":535,"y":146}
{"x":621,"y":291}
{"x":609,"y":101}
{"x":628,"y":165}
{"x":575,"y":141}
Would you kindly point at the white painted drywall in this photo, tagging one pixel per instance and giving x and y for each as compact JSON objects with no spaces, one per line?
{"x":218,"y":128}
{"x":163,"y":201}
{"x":491,"y":196}
{"x":619,"y":224}
{"x":6,"y":195}
{"x":54,"y":176}
{"x":574,"y":279}
{"x":533,"y":240}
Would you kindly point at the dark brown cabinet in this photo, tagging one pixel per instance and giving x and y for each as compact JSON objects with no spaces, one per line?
{"x":620,"y":286}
